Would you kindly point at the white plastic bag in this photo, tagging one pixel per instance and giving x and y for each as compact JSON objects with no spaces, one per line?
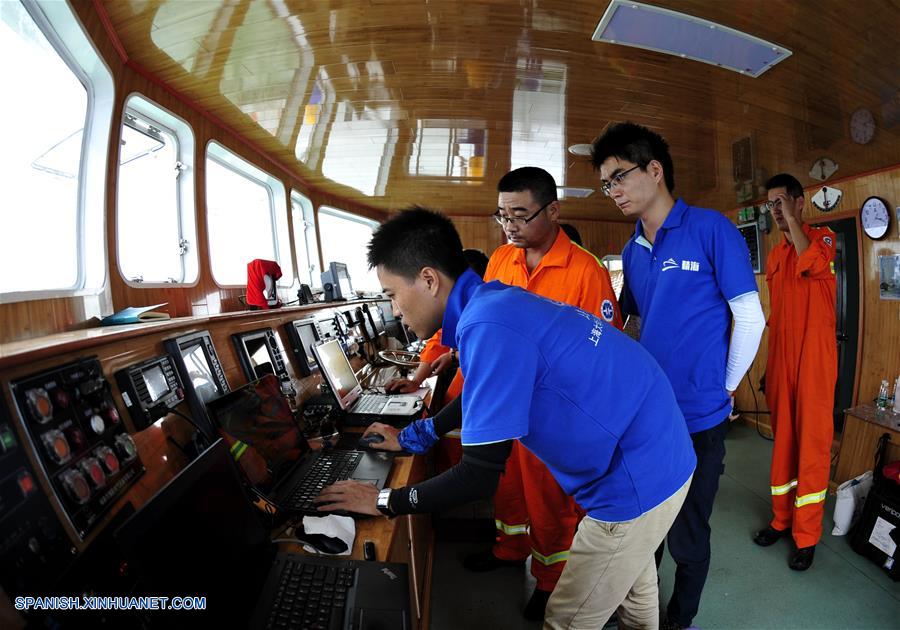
{"x":851,"y":497}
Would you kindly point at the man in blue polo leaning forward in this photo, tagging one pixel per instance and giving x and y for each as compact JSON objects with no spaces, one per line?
{"x":591,"y":403}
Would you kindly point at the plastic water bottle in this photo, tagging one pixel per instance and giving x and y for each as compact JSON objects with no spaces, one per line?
{"x":897,"y":395}
{"x":882,"y":401}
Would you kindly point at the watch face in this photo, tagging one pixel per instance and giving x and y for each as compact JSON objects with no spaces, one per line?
{"x":875,"y":217}
{"x":862,"y":126}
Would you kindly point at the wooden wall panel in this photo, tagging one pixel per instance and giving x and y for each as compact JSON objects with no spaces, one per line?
{"x":879,"y":343}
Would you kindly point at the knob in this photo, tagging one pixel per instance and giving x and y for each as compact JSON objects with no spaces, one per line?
{"x":111,"y":414}
{"x":57,"y":447}
{"x":126,"y":447}
{"x":61,"y":398}
{"x":39,"y":404}
{"x":108,"y":459}
{"x":97,"y":424}
{"x":92,"y":470}
{"x":76,"y":486}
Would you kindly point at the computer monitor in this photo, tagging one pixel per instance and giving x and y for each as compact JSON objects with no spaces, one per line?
{"x":259,"y":354}
{"x":377,"y":318}
{"x":303,"y":335}
{"x":339,"y":279}
{"x":337,"y":371}
{"x":258,"y":417}
{"x":201,"y":373}
{"x":199,"y":535}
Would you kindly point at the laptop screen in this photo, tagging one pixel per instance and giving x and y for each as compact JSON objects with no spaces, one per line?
{"x":338,"y":372}
{"x":258,"y":417}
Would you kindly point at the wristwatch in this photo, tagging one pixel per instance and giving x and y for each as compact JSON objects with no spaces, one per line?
{"x":384,"y":503}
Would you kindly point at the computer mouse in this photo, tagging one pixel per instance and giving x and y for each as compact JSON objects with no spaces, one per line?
{"x":323,"y":543}
{"x":368,"y":440}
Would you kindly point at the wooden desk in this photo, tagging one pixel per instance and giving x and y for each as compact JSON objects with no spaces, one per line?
{"x":863,"y":426}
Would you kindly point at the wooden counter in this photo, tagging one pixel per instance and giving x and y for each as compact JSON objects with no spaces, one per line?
{"x":863,"y":426}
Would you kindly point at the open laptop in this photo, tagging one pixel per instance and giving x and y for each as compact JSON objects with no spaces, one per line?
{"x":200,"y":536}
{"x":259,"y":428}
{"x":359,"y":407}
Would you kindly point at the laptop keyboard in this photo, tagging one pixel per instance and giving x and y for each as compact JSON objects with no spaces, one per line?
{"x":310,"y":596}
{"x":328,"y":468}
{"x":370,"y":404}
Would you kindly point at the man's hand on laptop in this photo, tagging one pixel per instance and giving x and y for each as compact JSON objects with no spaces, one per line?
{"x":401,"y":386}
{"x":353,"y":496}
{"x":389,"y":433}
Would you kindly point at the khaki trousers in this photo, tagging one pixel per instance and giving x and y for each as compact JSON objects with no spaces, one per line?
{"x":611,"y":566}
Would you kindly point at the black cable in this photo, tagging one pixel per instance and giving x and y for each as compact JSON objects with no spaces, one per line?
{"x":756,"y":406}
{"x":200,"y":432}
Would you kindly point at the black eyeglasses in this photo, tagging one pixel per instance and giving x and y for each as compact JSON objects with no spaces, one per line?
{"x":504,"y":220}
{"x":616,"y":181}
{"x":771,"y":205}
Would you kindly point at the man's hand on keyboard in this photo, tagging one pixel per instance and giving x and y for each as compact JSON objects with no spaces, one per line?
{"x":352,"y":496}
{"x":389,"y":433}
{"x":401,"y":386}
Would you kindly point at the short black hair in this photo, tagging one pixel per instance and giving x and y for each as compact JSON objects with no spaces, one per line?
{"x":535,"y":180}
{"x":478,"y":262}
{"x":415,"y":238}
{"x":637,"y":144}
{"x":786,"y":181}
{"x":572,"y":232}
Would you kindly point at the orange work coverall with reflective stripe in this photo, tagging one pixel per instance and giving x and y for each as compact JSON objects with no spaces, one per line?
{"x":801,"y":371}
{"x":532,"y":513}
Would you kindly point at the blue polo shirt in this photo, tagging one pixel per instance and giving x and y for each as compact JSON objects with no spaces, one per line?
{"x":582,"y":396}
{"x":680,"y":287}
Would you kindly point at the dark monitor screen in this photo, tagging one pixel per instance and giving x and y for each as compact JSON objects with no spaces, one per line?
{"x":155,"y":382}
{"x":387,"y":311}
{"x":375,"y":311}
{"x":257,"y":350}
{"x":258,"y":415}
{"x":200,"y":535}
{"x":200,"y":375}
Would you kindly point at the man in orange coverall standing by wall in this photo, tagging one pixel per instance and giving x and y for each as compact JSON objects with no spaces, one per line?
{"x":532,"y":513}
{"x":800,"y":372}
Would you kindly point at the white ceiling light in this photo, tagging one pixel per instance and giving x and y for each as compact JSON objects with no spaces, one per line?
{"x":580,"y":149}
{"x":572,"y":192}
{"x":653,"y":28}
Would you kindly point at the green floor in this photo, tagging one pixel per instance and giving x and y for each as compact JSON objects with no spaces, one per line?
{"x":748,"y":586}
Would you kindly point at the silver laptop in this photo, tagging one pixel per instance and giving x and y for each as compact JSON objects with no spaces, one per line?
{"x":343,"y":382}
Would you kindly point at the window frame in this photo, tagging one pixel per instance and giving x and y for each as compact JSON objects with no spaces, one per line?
{"x":348,"y":216}
{"x":186,"y":204}
{"x":310,"y":236}
{"x":275,"y":189}
{"x":65,"y":32}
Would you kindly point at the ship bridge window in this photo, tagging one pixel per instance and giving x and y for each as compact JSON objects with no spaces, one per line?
{"x":345,"y":238}
{"x":246,"y":217}
{"x":305,"y":246}
{"x":613,"y":264}
{"x":155,"y":220}
{"x":53,"y":163}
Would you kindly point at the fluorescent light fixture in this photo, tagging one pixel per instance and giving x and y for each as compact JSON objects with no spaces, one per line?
{"x":580,"y":149}
{"x":652,"y":28}
{"x":572,"y":192}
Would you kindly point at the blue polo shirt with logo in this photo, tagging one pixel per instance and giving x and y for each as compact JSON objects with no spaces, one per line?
{"x":680,"y":287}
{"x":586,"y":399}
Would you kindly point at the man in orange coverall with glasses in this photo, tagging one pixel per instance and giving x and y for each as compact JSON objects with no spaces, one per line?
{"x":800,"y":372}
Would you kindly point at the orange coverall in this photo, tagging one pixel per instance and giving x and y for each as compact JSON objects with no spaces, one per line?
{"x":528,"y":494}
{"x":800,"y":376}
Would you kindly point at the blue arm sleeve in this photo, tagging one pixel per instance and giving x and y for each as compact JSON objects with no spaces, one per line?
{"x":419,"y":436}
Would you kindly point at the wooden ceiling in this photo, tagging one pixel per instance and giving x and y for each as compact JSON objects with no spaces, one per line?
{"x":393,"y":102}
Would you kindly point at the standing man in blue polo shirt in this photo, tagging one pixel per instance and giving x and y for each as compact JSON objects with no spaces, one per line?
{"x":687,"y":275}
{"x":583,"y":397}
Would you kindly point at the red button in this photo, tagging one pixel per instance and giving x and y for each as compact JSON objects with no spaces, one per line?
{"x":61,"y":397}
{"x":112,"y":415}
{"x":112,"y":464}
{"x":26,"y":484}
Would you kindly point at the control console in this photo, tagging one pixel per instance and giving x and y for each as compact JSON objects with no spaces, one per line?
{"x":76,"y":430}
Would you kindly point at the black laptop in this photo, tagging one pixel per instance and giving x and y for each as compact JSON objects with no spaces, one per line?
{"x":200,"y":537}
{"x":264,"y":439}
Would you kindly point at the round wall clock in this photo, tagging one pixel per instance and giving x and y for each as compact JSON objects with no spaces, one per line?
{"x":875,"y":217}
{"x":862,"y":126}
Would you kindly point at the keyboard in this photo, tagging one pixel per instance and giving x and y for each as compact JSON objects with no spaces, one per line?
{"x":328,"y":468}
{"x":310,"y":596}
{"x":370,"y":403}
